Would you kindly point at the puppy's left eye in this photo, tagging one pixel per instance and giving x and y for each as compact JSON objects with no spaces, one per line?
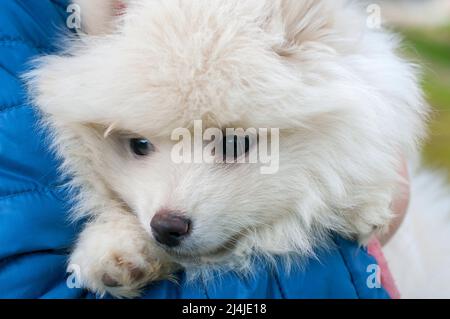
{"x":235,"y":146}
{"x":141,"y":146}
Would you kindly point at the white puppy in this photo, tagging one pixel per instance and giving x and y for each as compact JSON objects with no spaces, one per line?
{"x":346,"y":106}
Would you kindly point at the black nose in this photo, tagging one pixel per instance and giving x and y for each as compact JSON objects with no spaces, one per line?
{"x":170,"y":228}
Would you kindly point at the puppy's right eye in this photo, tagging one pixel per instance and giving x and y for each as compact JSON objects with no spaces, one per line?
{"x":235,"y":146}
{"x":141,"y":146}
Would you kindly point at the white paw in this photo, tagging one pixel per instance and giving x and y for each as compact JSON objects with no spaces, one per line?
{"x":117,"y":261}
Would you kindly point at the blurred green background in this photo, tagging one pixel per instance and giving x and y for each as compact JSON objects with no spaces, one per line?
{"x":431,"y":46}
{"x":425,"y":26}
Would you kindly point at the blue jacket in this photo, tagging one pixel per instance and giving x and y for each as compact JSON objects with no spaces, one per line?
{"x":35,"y":237}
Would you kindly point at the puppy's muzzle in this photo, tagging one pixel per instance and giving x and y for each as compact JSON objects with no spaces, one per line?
{"x":170,"y":228}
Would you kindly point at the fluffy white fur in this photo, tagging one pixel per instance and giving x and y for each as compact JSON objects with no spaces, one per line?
{"x":418,"y":254}
{"x":347,"y":106}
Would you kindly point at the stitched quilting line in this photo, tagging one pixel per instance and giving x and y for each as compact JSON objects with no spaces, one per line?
{"x":278,"y":283}
{"x":279,"y":286}
{"x":14,"y":41}
{"x":347,"y":266}
{"x":11,"y":107}
{"x":57,"y":251}
{"x":38,"y":190}
{"x":61,"y":5}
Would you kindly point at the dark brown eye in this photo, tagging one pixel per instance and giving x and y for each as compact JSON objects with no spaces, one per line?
{"x":235,"y":146}
{"x":141,"y":146}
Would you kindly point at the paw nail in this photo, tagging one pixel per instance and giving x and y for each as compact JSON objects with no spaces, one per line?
{"x":109,"y":282}
{"x":136,"y":274}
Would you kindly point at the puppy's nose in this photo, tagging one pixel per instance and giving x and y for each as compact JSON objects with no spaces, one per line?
{"x":170,"y":228}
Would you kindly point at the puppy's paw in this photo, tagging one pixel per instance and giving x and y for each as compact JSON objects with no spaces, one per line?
{"x":118,"y":261}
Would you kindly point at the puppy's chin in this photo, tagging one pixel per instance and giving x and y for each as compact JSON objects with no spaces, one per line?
{"x":188,"y":253}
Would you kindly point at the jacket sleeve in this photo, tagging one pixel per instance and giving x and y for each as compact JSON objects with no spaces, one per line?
{"x":34,"y":233}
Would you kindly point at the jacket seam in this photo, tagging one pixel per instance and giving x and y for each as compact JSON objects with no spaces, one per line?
{"x":347,"y":267}
{"x":278,"y":282}
{"x":7,"y":108}
{"x":29,"y":191}
{"x":56,"y":251}
{"x":15,"y":41}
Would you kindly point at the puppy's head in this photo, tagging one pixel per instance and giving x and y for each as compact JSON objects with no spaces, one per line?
{"x":345,"y":106}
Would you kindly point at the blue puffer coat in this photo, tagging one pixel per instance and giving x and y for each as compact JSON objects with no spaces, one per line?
{"x":35,"y":237}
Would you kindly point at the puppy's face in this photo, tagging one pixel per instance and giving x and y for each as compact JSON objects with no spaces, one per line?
{"x":311,"y":72}
{"x":218,"y":202}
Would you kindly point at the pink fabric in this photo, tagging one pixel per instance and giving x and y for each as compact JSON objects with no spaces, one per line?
{"x":119,"y":8}
{"x":386,"y":277}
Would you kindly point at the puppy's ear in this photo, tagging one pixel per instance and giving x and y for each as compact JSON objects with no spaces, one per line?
{"x":99,"y":16}
{"x":74,"y":89}
{"x":297,"y":22}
